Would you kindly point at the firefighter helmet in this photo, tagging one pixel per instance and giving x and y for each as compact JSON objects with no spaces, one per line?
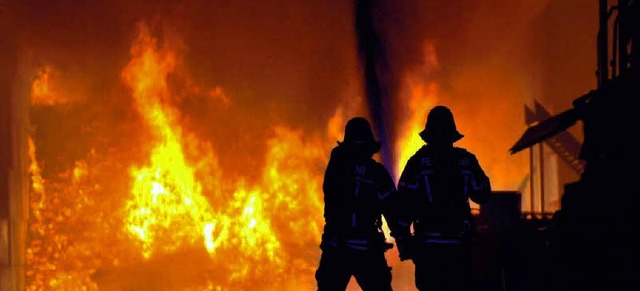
{"x":358,"y":133}
{"x":440,"y":126}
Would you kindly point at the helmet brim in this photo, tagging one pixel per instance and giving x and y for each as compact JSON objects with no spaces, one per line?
{"x":373,"y":146}
{"x":432,"y":138}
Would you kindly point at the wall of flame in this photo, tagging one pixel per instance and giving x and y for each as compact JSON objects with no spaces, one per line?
{"x":181,"y":146}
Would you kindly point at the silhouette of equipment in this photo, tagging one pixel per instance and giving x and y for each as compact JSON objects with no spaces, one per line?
{"x":593,"y":239}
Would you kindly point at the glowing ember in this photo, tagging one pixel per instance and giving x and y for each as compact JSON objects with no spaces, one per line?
{"x":51,"y":249}
{"x":37,"y":183}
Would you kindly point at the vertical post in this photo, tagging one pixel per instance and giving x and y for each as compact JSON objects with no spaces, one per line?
{"x":603,"y":43}
{"x":541,"y":161}
{"x":623,"y":37}
{"x":634,"y":21}
{"x":7,"y":73}
{"x":14,"y":108}
{"x":531,"y":181}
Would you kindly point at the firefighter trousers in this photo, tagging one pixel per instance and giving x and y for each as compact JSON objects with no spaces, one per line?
{"x":337,"y":265}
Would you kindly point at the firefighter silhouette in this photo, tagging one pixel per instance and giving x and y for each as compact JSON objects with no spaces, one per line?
{"x":357,"y":192}
{"x":435,"y":187}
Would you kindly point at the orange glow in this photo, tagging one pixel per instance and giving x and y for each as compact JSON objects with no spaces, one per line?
{"x":263,"y":233}
{"x":167,"y":208}
{"x":48,"y":262}
{"x":419,"y":97}
{"x":110,"y":218}
{"x":37,"y":184}
{"x":41,"y":89}
{"x":423,"y":98}
{"x":336,"y":125}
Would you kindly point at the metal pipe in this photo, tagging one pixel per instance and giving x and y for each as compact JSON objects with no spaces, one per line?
{"x":541,"y":158}
{"x":531,"y":181}
{"x":624,"y":38}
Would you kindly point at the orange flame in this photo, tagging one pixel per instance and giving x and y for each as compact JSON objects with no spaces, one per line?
{"x":37,"y":183}
{"x":421,"y":95}
{"x":50,"y":247}
{"x":271,"y":223}
{"x":167,"y":200}
{"x":41,"y":89}
{"x":246,"y":235}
